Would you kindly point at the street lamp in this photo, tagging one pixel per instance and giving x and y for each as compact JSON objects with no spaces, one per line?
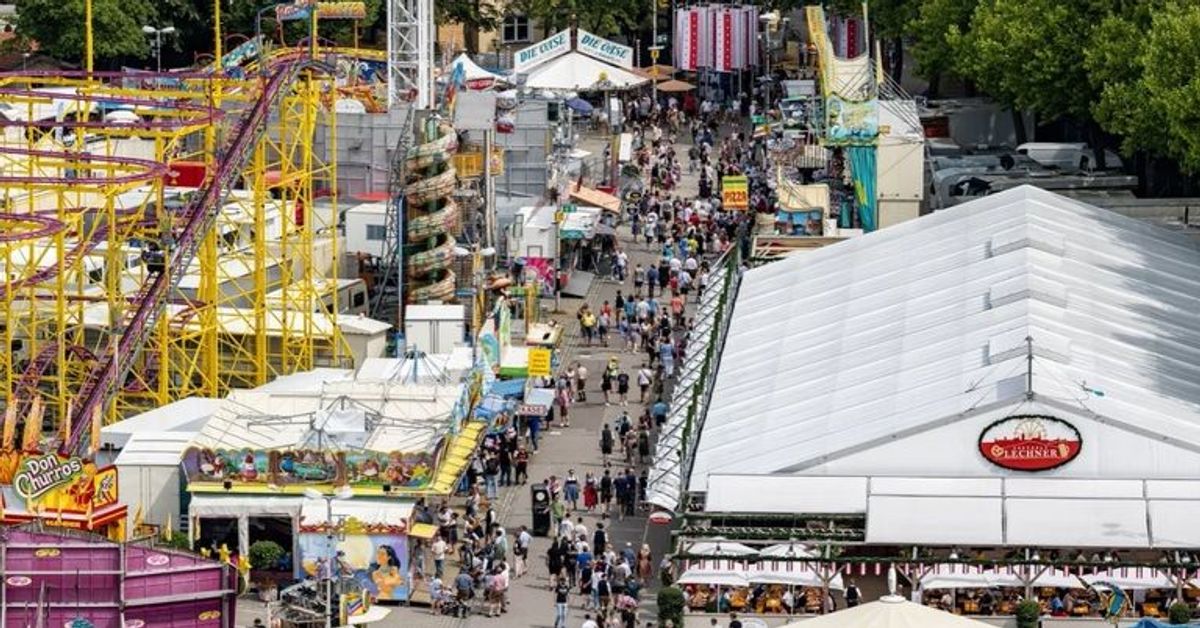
{"x":343,"y":492}
{"x":156,"y":45}
{"x":654,"y":50}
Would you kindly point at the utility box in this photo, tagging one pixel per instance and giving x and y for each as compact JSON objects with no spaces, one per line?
{"x":434,"y":328}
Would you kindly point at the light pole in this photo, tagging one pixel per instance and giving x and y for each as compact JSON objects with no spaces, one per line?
{"x":341,"y":493}
{"x":654,"y":50}
{"x":156,"y":45}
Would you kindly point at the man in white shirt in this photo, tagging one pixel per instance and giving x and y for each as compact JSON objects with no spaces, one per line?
{"x":524,"y":539}
{"x":588,"y":622}
{"x":580,"y":529}
{"x":438,"y":549}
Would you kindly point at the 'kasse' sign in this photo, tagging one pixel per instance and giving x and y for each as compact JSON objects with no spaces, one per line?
{"x":604,"y":50}
{"x":545,"y":50}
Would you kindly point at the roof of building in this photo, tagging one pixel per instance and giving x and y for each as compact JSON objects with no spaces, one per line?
{"x":918,"y":325}
{"x":375,"y":416}
{"x":184,"y":416}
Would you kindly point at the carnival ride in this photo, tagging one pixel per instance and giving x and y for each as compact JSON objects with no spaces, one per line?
{"x":144,"y":224}
{"x":431,"y":215}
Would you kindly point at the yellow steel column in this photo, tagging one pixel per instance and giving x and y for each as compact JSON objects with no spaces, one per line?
{"x":88,"y":50}
{"x":259,"y":207}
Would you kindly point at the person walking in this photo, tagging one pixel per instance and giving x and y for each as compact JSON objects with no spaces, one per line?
{"x":562,"y":599}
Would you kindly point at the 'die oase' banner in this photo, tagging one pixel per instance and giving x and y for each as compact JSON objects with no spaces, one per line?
{"x":604,"y":50}
{"x":552,"y":47}
{"x":735,"y":192}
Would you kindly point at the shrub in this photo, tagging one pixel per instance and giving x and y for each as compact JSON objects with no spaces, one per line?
{"x":265,"y":555}
{"x":1179,"y":613}
{"x":1029,"y":613}
{"x":670,"y":606}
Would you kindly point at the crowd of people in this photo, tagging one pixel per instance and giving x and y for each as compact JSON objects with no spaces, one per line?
{"x":664,"y":267}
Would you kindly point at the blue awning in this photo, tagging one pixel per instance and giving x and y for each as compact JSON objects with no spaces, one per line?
{"x":514,"y":388}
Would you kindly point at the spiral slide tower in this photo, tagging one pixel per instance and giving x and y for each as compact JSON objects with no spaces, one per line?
{"x":431,"y":216}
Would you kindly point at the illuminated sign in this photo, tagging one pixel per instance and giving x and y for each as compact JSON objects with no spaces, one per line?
{"x":545,"y":50}
{"x":605,"y":50}
{"x":40,"y":474}
{"x":341,"y":10}
{"x":1030,"y":442}
{"x":539,"y":362}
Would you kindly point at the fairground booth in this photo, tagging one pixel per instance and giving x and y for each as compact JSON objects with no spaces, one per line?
{"x":331,"y":473}
{"x":61,"y":577}
{"x":38,"y":485}
{"x":1001,"y":400}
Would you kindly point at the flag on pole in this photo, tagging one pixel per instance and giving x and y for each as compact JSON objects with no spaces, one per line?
{"x":64,"y":425}
{"x":96,"y":424}
{"x":10,"y":425}
{"x":31,"y":439}
{"x":458,"y":79}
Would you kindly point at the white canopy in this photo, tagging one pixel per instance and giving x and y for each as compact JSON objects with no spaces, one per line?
{"x":1132,"y":579}
{"x":471,"y":70}
{"x":721,"y":547}
{"x":939,"y":578}
{"x":577,"y":72}
{"x":716,"y":578}
{"x":800,"y":575}
{"x":890,"y":611}
{"x":785,"y":550}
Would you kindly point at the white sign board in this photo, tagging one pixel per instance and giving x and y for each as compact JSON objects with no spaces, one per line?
{"x":604,"y":50}
{"x":545,"y":50}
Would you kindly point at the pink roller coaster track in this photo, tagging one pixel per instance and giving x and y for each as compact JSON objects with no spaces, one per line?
{"x":197,"y":217}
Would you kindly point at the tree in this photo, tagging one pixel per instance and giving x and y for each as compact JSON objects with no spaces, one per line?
{"x":474,"y":16}
{"x":1030,"y":53}
{"x":930,"y":31}
{"x":1172,"y":89}
{"x":605,"y":18}
{"x":58,"y":27}
{"x":1115,"y":63}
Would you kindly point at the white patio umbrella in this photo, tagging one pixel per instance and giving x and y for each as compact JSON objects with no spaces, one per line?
{"x":787,"y":550}
{"x":1130,"y":579}
{"x":720,"y":547}
{"x":712,"y":577}
{"x":890,"y":611}
{"x":800,"y":575}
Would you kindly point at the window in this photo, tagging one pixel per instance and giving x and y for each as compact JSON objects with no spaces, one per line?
{"x":376,"y":232}
{"x":516,"y":29}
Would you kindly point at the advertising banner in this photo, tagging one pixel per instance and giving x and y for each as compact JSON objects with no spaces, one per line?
{"x":552,"y":47}
{"x":539,"y":362}
{"x":604,"y":50}
{"x":341,"y":10}
{"x":851,"y":123}
{"x":53,"y":483}
{"x":377,"y":562}
{"x":735,"y":192}
{"x":309,"y":467}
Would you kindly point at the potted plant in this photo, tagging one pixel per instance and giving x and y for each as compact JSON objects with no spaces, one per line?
{"x":1179,"y":613}
{"x":670,"y":606}
{"x":265,"y":555}
{"x":1029,"y":614}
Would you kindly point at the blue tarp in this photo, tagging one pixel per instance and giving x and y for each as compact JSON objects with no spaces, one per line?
{"x":514,"y":388}
{"x":490,"y":406}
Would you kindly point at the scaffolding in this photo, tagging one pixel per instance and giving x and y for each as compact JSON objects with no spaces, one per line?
{"x":163,"y":237}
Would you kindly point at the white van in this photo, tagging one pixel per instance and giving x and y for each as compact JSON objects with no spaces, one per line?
{"x":1068,"y":156}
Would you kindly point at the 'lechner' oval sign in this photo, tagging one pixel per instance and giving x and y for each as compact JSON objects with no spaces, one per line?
{"x":1030,"y":442}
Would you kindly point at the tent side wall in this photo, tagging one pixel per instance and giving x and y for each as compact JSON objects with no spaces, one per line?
{"x":156,"y":488}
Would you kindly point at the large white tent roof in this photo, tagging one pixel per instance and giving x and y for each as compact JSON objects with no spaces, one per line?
{"x":922,"y":326}
{"x":578,"y":72}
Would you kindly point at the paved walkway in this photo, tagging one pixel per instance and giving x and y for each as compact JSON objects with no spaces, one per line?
{"x":577,"y":447}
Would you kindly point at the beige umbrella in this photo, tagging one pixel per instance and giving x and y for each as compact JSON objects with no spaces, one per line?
{"x":891,"y":611}
{"x":675,"y":86}
{"x":664,"y":72}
